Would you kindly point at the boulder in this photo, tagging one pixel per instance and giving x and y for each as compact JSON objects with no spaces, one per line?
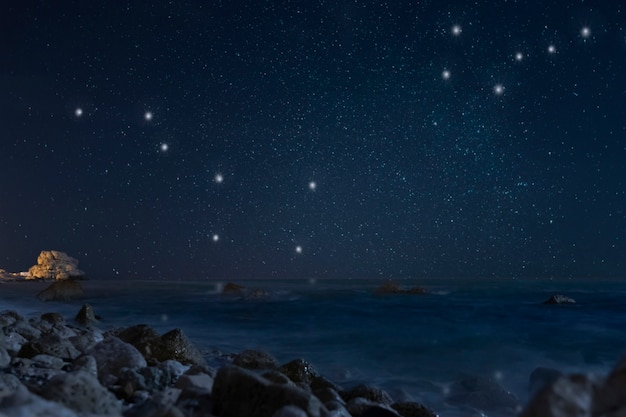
{"x":142,"y":337}
{"x":175,"y":345}
{"x":368,"y":392}
{"x":52,"y":264}
{"x":560,"y":299}
{"x":22,"y":403}
{"x":483,"y":394}
{"x":299,"y":371}
{"x":610,"y":396}
{"x":52,"y":318}
{"x":568,"y":396}
{"x":64,"y":290}
{"x":86,"y":315}
{"x":413,"y":409}
{"x":239,"y":392}
{"x":255,"y":359}
{"x":51,"y":344}
{"x":112,"y":355}
{"x":81,"y":392}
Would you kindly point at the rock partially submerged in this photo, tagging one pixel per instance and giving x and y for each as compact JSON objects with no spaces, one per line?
{"x":242,"y":291}
{"x":391,"y":287}
{"x":63,"y":290}
{"x":560,"y":299}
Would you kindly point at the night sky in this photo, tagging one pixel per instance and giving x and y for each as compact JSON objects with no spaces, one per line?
{"x":315,"y":139}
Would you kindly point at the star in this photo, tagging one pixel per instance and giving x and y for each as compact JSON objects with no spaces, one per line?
{"x":519,"y":56}
{"x":298,"y":249}
{"x":164,"y":147}
{"x":312,"y":185}
{"x":551,"y":49}
{"x":498,"y":89}
{"x":148,"y":116}
{"x":78,"y":112}
{"x":585,"y":32}
{"x":215,"y":237}
{"x":445,"y":74}
{"x":219,"y":178}
{"x":456,"y":30}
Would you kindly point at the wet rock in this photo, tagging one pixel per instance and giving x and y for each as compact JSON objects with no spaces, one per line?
{"x":86,"y":315}
{"x":142,"y":337}
{"x":541,"y":377}
{"x":67,"y":289}
{"x":299,"y":371}
{"x":53,"y":318}
{"x":175,"y":345}
{"x":22,"y":403}
{"x":52,"y":264}
{"x":568,"y":396}
{"x":51,"y":344}
{"x":560,"y":299}
{"x":85,"y":363}
{"x":81,"y":392}
{"x":262,"y":398}
{"x":112,"y":355}
{"x":483,"y":394}
{"x":368,"y":392}
{"x":413,"y":409}
{"x":255,"y":359}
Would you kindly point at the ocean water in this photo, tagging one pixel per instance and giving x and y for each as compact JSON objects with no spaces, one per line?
{"x":414,"y":346}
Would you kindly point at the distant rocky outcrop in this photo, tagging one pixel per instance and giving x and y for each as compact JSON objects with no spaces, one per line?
{"x":242,"y":291}
{"x":391,"y":287}
{"x":560,"y":299}
{"x":52,"y":264}
{"x":67,"y":289}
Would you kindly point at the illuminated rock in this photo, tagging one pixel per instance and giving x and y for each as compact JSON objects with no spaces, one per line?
{"x":52,"y":264}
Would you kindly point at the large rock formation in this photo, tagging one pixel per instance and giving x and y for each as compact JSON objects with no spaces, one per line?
{"x":52,"y":264}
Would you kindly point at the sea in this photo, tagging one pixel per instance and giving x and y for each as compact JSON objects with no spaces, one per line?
{"x":417,"y":347}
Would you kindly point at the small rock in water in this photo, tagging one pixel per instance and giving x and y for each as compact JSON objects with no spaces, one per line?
{"x":63,"y":290}
{"x":86,"y":315}
{"x":560,"y":299}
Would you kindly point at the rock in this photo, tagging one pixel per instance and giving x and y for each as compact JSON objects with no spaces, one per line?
{"x":9,"y":383}
{"x":22,"y":403}
{"x":560,"y":299}
{"x":254,"y":359}
{"x":541,"y":377}
{"x":8,"y":317}
{"x":48,"y":361}
{"x":358,"y":406}
{"x":142,"y":337}
{"x":5,"y":358}
{"x":568,"y":396}
{"x":81,"y":392}
{"x":202,"y":382}
{"x":25,"y":329}
{"x":86,"y":363}
{"x":299,"y":371}
{"x":112,"y":355}
{"x":63,"y":290}
{"x":290,"y":411}
{"x":86,"y":315}
{"x":391,"y":287}
{"x":13,"y":342}
{"x":175,"y":345}
{"x":86,"y":339}
{"x":51,"y":344}
{"x":232,"y":288}
{"x":610,"y":396}
{"x":239,"y":392}
{"x":379,"y":411}
{"x":368,"y":392}
{"x":413,"y":409}
{"x":173,"y":369}
{"x":52,"y":264}
{"x":256,"y":294}
{"x":484,"y":394}
{"x":53,"y":318}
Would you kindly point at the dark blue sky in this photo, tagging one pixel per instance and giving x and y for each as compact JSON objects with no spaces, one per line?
{"x":210,"y":139}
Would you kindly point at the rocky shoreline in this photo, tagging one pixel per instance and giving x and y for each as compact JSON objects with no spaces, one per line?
{"x":57,"y":366}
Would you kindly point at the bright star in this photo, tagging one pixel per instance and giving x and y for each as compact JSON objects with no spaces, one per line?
{"x":498,"y":89}
{"x":298,"y":249}
{"x":164,"y":147}
{"x":215,"y":238}
{"x":219,"y":178}
{"x":148,"y":116}
{"x":456,"y":30}
{"x":519,"y":56}
{"x":445,"y":74}
{"x":585,"y":32}
{"x":551,"y":49}
{"x":78,"y":112}
{"x":312,"y":185}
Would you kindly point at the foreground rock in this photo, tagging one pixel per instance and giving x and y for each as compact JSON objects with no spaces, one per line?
{"x":68,"y":289}
{"x":52,"y":264}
